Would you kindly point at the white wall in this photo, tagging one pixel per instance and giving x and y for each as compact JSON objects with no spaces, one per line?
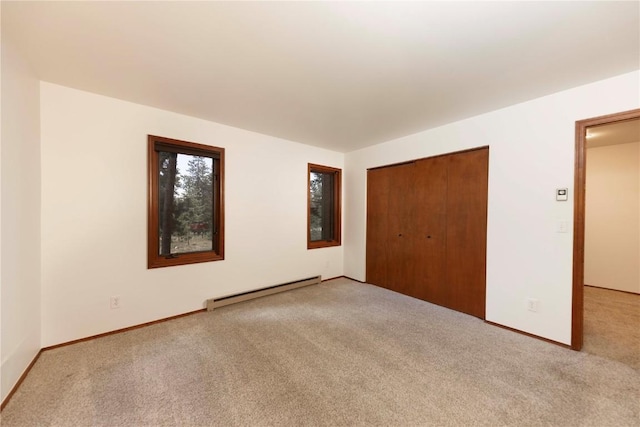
{"x":20,"y":217}
{"x":94,"y":215}
{"x":531,"y":154}
{"x":612,"y":221}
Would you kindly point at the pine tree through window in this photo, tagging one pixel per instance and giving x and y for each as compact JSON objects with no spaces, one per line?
{"x":185,"y":202}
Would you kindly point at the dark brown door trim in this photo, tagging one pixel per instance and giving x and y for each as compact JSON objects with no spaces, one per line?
{"x":577,"y":311}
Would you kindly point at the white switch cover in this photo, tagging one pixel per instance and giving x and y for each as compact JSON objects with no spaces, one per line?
{"x":563,"y":227}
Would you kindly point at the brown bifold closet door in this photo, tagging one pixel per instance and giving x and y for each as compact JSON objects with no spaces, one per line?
{"x":426,"y":229}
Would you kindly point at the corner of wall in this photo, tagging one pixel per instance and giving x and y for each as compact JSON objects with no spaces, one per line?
{"x":20,"y":184}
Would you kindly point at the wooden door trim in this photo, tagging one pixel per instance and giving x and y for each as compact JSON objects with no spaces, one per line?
{"x":577,"y":306}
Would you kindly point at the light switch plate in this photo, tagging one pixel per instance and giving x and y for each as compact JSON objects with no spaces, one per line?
{"x":563,"y":227}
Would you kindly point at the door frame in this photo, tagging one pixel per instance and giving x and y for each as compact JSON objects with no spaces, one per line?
{"x":577,"y":306}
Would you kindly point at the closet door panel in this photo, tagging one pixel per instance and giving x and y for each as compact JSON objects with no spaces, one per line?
{"x":429,"y":229}
{"x":466,"y":233}
{"x":403,"y":257}
{"x":377,"y":263}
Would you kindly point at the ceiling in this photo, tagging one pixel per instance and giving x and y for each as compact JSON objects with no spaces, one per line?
{"x":340,"y":75}
{"x":615,"y":133}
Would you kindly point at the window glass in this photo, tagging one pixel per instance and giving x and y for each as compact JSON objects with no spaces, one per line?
{"x":323,"y":206}
{"x":321,"y":210}
{"x":185,"y":203}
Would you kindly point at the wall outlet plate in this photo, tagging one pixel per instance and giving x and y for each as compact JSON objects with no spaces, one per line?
{"x":114,"y":302}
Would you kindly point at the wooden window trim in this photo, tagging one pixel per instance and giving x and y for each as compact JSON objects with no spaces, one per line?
{"x":156,"y":144}
{"x":337,"y":211}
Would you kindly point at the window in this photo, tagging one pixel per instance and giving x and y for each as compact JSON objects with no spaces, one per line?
{"x":186,"y":212}
{"x":323,"y":213}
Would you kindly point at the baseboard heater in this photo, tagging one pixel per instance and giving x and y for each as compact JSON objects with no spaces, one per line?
{"x":246,"y":296}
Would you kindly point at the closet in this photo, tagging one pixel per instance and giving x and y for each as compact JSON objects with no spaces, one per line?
{"x":427,"y":229}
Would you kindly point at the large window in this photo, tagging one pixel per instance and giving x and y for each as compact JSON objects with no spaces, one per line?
{"x":185,"y":213}
{"x":323,"y":225}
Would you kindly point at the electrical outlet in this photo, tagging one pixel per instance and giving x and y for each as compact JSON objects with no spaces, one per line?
{"x":115,"y":301}
{"x":532,"y":304}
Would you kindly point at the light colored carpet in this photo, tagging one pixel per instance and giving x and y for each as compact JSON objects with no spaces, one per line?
{"x":336,"y":354}
{"x":612,"y":325}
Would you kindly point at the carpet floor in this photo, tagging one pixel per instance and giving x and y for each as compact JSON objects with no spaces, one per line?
{"x":612,"y":325}
{"x":340,"y":353}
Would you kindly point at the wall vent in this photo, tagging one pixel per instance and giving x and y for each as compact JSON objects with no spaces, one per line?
{"x":246,"y":296}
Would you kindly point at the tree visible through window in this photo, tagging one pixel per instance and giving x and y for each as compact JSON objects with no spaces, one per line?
{"x":185,"y":211}
{"x":323,"y":207}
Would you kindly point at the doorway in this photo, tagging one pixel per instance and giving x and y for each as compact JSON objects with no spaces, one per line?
{"x":577,"y":327}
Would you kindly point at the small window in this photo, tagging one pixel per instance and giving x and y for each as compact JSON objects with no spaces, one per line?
{"x":323,"y":213}
{"x":185,"y":213}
